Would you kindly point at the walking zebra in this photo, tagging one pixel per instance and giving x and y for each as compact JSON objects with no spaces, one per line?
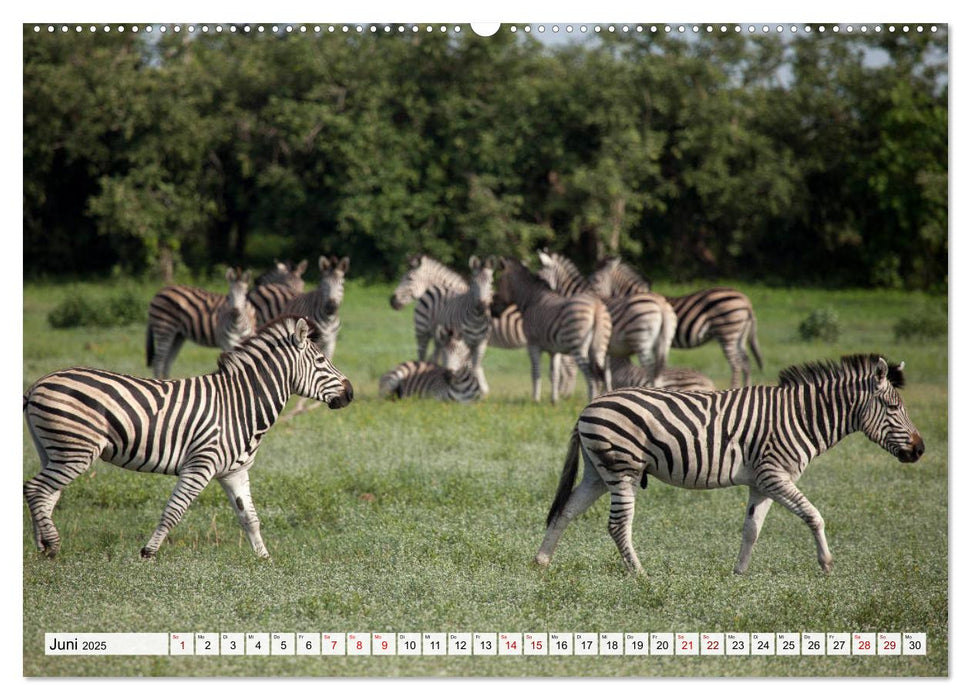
{"x":322,"y":304}
{"x":468,"y":315}
{"x":180,"y":313}
{"x":761,"y":437}
{"x":578,"y":326}
{"x":643,"y":323}
{"x":624,"y":373}
{"x":453,"y":381}
{"x":722,"y":313}
{"x":197,"y":429}
{"x":284,"y":273}
{"x":236,"y":318}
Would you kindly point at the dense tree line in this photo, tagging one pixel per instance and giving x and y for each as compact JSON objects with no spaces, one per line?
{"x":815,"y":158}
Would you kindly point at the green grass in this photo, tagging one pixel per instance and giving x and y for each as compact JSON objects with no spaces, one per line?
{"x":423,"y":517}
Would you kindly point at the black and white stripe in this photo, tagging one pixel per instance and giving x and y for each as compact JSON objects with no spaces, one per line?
{"x":197,"y":429}
{"x":322,"y":304}
{"x":284,"y":273}
{"x":762,"y":437}
{"x":468,"y":315}
{"x":179,"y":313}
{"x":578,"y":326}
{"x":722,"y":313}
{"x":236,"y":319}
{"x":623,"y":373}
{"x":429,"y":284}
{"x":643,"y":323}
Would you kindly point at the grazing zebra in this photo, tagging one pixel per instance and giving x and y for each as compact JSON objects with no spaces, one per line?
{"x":468,"y":315}
{"x":196,"y":429}
{"x":179,"y":313}
{"x":624,"y":373}
{"x":643,"y":323}
{"x":722,"y":313}
{"x":762,"y":437}
{"x":429,"y":283}
{"x":236,"y":318}
{"x":284,"y":273}
{"x":322,"y":304}
{"x":578,"y":326}
{"x":455,"y":381}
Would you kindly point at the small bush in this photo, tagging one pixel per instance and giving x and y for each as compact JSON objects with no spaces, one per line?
{"x":77,"y":312}
{"x":931,"y":323}
{"x":821,"y":324}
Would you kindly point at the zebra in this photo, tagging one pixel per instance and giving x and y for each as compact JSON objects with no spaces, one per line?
{"x":643,"y":322}
{"x":284,"y":273}
{"x":321,"y":304}
{"x":177,"y":313}
{"x":453,"y":381}
{"x":507,"y":333}
{"x":269,"y":300}
{"x":624,"y":373}
{"x":578,"y":325}
{"x":236,"y":319}
{"x":468,"y":315}
{"x":722,"y":313}
{"x":762,"y":437}
{"x":197,"y":429}
{"x":429,"y":283}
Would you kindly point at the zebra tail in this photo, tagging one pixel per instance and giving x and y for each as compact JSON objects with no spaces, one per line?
{"x":597,"y":356}
{"x":665,"y":337}
{"x":567,"y":478}
{"x":149,"y":345}
{"x":753,"y":344}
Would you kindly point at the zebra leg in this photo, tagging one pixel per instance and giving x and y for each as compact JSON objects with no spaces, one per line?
{"x":738,"y":361}
{"x":236,"y":486}
{"x":422,"y":339}
{"x":781,"y":490}
{"x":619,"y":525}
{"x":166,"y":356}
{"x":187,"y":488}
{"x":556,"y":369}
{"x":477,"y":355}
{"x":42,"y":493}
{"x":590,"y":488}
{"x":534,"y":357}
{"x":758,"y":506}
{"x":568,"y":375}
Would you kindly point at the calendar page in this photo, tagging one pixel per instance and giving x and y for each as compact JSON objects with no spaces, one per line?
{"x":565,"y":349}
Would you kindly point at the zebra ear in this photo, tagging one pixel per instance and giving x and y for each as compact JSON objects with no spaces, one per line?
{"x":301,"y":330}
{"x":323,"y":263}
{"x":280,"y":266}
{"x":414,"y":261}
{"x":544,"y":257}
{"x":300,"y":268}
{"x":343,"y":264}
{"x":881,"y":371}
{"x":230,"y":274}
{"x":474,"y":263}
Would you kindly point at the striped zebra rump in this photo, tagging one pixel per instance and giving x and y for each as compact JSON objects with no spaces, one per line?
{"x":177,"y":314}
{"x":723,"y":314}
{"x":270,"y":300}
{"x":624,"y":373}
{"x":429,"y":380}
{"x":762,"y":437}
{"x":198,"y":428}
{"x":644,"y":324}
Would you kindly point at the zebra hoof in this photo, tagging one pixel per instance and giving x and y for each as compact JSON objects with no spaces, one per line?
{"x":147,"y":553}
{"x":827,"y":566}
{"x":541,"y":560}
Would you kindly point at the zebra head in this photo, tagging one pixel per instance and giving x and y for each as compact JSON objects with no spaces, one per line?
{"x":516,"y":284}
{"x":284,"y":273}
{"x":315,"y":377}
{"x":883,"y":417}
{"x":455,"y":353}
{"x":331,"y":288}
{"x":239,"y":282}
{"x":481,"y":283}
{"x":560,"y":274}
{"x":613,"y":277}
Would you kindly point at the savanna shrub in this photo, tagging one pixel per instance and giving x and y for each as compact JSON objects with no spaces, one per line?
{"x":821,"y":324}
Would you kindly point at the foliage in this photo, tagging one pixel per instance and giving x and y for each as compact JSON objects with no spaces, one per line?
{"x":817,"y":158}
{"x":77,"y":311}
{"x":929,"y":324}
{"x":821,"y":324}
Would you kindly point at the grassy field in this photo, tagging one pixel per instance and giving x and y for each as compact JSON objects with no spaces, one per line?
{"x":424,"y":517}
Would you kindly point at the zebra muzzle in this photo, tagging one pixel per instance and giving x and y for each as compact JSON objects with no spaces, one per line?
{"x":914,"y":451}
{"x":344,"y":398}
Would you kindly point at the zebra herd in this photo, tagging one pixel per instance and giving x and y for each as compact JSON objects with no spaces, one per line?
{"x":642,"y":420}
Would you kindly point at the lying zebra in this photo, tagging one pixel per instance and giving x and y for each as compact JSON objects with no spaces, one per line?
{"x":623,"y":373}
{"x":455,"y":381}
{"x":762,"y":437}
{"x":196,"y":429}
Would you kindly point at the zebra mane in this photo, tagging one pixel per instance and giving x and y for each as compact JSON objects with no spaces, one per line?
{"x":565,"y":270}
{"x":622,"y":273}
{"x":441,"y":273}
{"x":856,"y":366}
{"x":228,"y":360}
